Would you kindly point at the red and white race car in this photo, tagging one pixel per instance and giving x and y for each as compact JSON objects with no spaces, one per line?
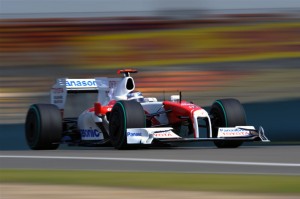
{"x":123,"y":118}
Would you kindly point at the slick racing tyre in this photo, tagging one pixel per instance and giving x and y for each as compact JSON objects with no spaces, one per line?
{"x":124,"y":115}
{"x":43,"y":127}
{"x":227,"y":113}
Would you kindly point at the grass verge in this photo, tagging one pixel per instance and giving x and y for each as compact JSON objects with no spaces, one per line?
{"x":278,"y":184}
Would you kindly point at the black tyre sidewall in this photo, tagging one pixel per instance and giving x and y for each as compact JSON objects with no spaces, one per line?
{"x":43,"y":127}
{"x":227,"y":113}
{"x":117,"y":126}
{"x":124,"y":115}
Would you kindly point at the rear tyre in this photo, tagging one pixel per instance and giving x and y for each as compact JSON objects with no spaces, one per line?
{"x":227,"y":113}
{"x":43,"y":127}
{"x":124,"y":115}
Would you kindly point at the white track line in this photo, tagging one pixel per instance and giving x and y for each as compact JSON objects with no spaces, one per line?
{"x":276,"y":164}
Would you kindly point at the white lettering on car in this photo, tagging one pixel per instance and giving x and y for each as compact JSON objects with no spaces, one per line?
{"x":232,"y":132}
{"x":129,"y":134}
{"x":80,"y":83}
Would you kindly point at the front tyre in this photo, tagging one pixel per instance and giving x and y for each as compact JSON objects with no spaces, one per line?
{"x":124,"y":115}
{"x":43,"y":127}
{"x":227,"y":113}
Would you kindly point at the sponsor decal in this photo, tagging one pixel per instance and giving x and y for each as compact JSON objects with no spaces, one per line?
{"x":57,"y":99}
{"x":130,"y":134}
{"x":89,"y":133}
{"x":108,"y":109}
{"x":57,"y":90}
{"x":81,"y":83}
{"x":232,"y":132}
{"x":165,"y":134}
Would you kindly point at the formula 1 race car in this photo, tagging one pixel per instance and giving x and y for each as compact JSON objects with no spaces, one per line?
{"x":123,"y":118}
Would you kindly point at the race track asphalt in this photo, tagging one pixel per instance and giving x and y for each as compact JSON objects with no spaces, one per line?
{"x":256,"y":159}
{"x":250,"y":158}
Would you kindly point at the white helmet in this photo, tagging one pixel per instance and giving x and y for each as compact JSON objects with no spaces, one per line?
{"x":135,"y":95}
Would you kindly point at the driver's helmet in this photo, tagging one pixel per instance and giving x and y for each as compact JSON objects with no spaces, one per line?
{"x":135,"y":95}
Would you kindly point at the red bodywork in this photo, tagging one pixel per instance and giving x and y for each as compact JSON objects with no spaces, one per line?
{"x":99,"y":109}
{"x":181,"y":111}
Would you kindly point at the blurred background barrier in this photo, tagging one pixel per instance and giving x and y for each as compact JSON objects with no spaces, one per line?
{"x":280,"y":130}
{"x":206,"y":49}
{"x":94,"y":44}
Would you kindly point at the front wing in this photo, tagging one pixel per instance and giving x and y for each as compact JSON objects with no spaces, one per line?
{"x":147,"y":135}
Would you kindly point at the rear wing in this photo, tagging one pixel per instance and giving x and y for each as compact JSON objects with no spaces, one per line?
{"x":79,"y":84}
{"x":106,"y":88}
{"x":83,"y":85}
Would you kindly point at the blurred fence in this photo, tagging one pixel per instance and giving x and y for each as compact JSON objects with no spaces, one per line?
{"x":278,"y":129}
{"x":197,"y":56}
{"x":103,"y":43}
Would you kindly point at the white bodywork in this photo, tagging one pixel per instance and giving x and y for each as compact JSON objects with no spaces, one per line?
{"x":109,"y":89}
{"x":146,"y":135}
{"x":238,"y":131}
{"x":88,"y":127}
{"x":203,"y":114}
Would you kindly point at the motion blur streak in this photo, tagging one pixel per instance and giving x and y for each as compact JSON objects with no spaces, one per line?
{"x":251,"y":55}
{"x":92,"y":44}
